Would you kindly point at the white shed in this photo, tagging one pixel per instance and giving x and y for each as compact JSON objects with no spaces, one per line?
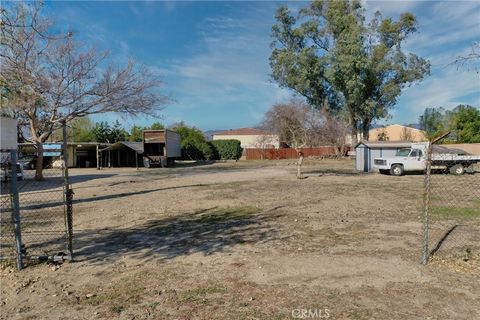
{"x":366,"y":151}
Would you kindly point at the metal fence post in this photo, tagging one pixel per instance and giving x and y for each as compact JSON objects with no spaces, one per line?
{"x":68,"y":195}
{"x":16,"y":208}
{"x":426,"y":204}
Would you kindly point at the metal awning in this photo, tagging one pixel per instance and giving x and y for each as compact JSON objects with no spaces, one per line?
{"x":135,"y":146}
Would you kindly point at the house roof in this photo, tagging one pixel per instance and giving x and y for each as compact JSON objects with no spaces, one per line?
{"x":243,"y":132}
{"x":385,"y":144}
{"x":135,"y":146}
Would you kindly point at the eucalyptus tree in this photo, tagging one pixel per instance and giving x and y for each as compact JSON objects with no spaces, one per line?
{"x":330,"y":55}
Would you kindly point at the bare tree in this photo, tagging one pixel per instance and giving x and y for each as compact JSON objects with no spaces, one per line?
{"x":471,"y":60}
{"x":382,"y":134}
{"x":264,"y":142}
{"x":49,"y":79}
{"x":406,"y":134}
{"x":300,"y":126}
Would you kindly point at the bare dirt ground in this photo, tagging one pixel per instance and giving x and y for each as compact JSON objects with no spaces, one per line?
{"x":245,"y":240}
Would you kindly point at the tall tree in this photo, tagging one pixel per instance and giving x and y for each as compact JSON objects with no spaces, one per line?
{"x":78,"y":130}
{"x":105,"y":133}
{"x":465,"y":124}
{"x":157,"y":126}
{"x":49,"y":79}
{"x":136,"y":133}
{"x":194,"y":145}
{"x":432,"y":121}
{"x":329,"y":55}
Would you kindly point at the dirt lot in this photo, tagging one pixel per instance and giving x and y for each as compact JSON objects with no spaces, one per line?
{"x":245,"y":240}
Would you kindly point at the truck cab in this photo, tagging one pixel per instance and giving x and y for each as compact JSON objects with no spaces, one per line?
{"x":406,"y":159}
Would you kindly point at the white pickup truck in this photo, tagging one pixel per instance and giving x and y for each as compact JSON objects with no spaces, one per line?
{"x":414,"y":159}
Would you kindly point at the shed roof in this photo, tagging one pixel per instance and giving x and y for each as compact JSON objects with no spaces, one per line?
{"x":135,"y":146}
{"x":385,"y":144}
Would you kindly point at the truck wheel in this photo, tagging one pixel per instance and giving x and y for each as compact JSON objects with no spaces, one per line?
{"x":470,"y":169}
{"x":396,"y":170}
{"x":457,"y":169}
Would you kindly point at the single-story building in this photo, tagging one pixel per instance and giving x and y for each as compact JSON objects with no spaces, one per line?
{"x":366,"y":151}
{"x":397,"y":132}
{"x":79,"y":154}
{"x":393,"y":132}
{"x":84,"y":154}
{"x":122,"y":154}
{"x":250,"y":137}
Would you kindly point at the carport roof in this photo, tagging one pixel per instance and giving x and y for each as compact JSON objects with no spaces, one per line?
{"x":135,"y":146}
{"x":385,"y":144}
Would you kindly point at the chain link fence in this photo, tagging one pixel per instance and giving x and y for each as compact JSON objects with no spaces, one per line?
{"x":451,"y":204}
{"x":8,"y":200}
{"x":39,"y":227}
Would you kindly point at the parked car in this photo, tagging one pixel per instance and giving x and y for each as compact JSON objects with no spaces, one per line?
{"x":6,"y":172}
{"x":28,"y":163}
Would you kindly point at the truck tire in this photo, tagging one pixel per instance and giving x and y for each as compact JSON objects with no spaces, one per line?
{"x":457,"y":169}
{"x":470,"y":169}
{"x":397,"y":170}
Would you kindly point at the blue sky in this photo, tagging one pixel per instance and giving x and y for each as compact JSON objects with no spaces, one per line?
{"x":213,"y":56}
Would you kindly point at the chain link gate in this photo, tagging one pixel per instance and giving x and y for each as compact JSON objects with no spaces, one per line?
{"x":40,"y":227}
{"x":451,"y":226}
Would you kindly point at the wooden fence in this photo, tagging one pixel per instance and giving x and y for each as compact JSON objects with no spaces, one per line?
{"x":287,"y":153}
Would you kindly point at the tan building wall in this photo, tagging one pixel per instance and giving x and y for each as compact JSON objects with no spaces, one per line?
{"x":397,"y":132}
{"x":251,"y":141}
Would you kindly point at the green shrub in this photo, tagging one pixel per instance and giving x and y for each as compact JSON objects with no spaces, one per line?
{"x":194,"y":146}
{"x":197,"y":150}
{"x":226,"y":149}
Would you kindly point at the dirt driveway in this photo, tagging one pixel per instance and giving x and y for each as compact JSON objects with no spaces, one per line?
{"x":245,"y":240}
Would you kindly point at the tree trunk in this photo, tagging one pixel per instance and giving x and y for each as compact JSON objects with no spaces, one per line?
{"x":354,"y":134}
{"x":39,"y":165}
{"x":366,"y":131}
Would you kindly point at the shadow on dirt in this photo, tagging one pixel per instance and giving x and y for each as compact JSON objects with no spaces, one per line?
{"x":53,"y":180}
{"x":33,"y":206}
{"x":205,"y":231}
{"x":335,"y":172}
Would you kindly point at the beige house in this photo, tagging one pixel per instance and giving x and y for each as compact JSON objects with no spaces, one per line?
{"x":250,"y":138}
{"x":396,"y":132}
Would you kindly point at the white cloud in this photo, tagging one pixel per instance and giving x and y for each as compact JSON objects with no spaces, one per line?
{"x":229,"y":67}
{"x":447,"y":89}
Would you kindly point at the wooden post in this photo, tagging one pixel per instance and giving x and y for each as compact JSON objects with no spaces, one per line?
{"x":118,"y":157}
{"x":109,"y":159}
{"x":136,"y":159}
{"x":299,"y":165}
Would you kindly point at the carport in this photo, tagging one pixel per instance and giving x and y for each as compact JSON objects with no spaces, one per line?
{"x":122,"y":154}
{"x":366,"y":151}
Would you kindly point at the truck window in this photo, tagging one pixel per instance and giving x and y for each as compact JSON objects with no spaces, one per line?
{"x":404,"y":152}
